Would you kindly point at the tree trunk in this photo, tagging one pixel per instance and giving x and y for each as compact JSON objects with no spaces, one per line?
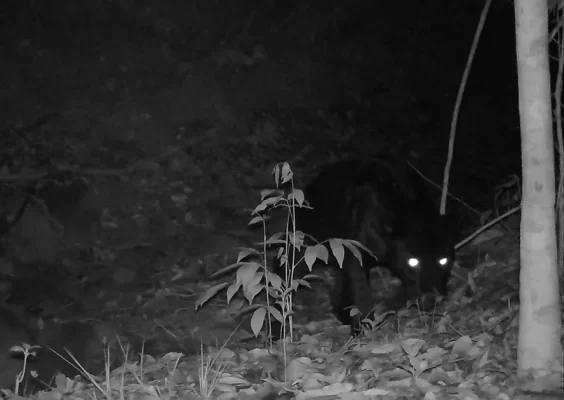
{"x":539,"y":325}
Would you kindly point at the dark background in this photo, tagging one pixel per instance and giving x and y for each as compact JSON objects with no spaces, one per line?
{"x":397,"y":65}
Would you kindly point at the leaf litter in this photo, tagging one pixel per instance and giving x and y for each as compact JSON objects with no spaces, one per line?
{"x":454,"y":353}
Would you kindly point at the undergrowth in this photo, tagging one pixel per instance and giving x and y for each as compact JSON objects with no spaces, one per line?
{"x":254,"y":272}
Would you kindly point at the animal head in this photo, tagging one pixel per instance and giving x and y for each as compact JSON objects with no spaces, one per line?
{"x":425,"y":258}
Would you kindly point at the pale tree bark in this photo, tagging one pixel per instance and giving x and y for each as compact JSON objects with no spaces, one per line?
{"x":539,"y":324}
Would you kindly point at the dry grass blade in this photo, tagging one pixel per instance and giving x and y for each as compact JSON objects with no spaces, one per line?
{"x":206,"y":368}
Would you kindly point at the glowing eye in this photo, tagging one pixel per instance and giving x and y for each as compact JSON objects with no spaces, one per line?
{"x":413,"y":262}
{"x":443,"y":261}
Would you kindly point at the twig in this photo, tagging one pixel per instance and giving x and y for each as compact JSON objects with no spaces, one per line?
{"x":458,"y":102}
{"x":483,"y":228}
{"x":438,"y":187}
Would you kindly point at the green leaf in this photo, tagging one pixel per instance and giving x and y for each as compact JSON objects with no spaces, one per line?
{"x":257,"y":320}
{"x":266,"y":203}
{"x":354,"y":311}
{"x":276,"y":294}
{"x":274,"y":280}
{"x":310,"y":257}
{"x":296,"y":196}
{"x":296,"y":239}
{"x":211,"y":292}
{"x":313,"y":253}
{"x":247,"y":272}
{"x":252,"y":290}
{"x":227,"y":269}
{"x":300,"y":282}
{"x":276,"y":239}
{"x":338,"y":250}
{"x":353,"y":249}
{"x":264,"y":193}
{"x":260,"y":208}
{"x":286,"y":173}
{"x":231,"y":290}
{"x":275,"y":313}
{"x":362,"y":247}
{"x":276,"y":173}
{"x":245,"y":253}
{"x":257,"y":219}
